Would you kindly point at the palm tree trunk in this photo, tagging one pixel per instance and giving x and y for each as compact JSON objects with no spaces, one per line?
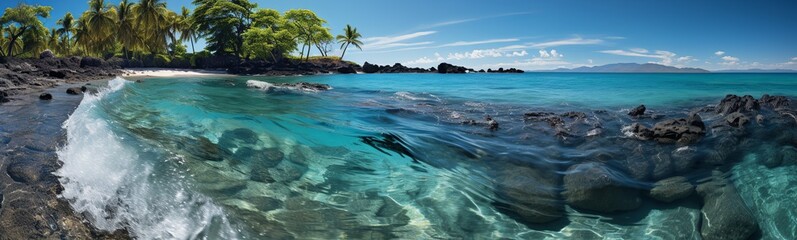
{"x":192,"y":47}
{"x":14,"y":39}
{"x":344,"y":51}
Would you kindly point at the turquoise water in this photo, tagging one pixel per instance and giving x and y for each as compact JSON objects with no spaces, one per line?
{"x":388,"y":156}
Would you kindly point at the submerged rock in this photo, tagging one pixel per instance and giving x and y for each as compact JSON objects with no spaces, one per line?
{"x":74,"y":91}
{"x":725,"y":216}
{"x":736,"y":120}
{"x":681,"y":131}
{"x":593,"y":186}
{"x":46,"y":96}
{"x":672,"y":189}
{"x":531,"y":193}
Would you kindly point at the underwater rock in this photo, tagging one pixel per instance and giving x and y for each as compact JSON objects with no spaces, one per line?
{"x":205,"y":149}
{"x":492,"y":125}
{"x":732,"y":103}
{"x":684,"y":159}
{"x":266,"y":158}
{"x":637,"y":111}
{"x":662,"y":165}
{"x":232,"y":138}
{"x":639,"y":131}
{"x":736,"y":120}
{"x":759,"y":119}
{"x":672,"y":189}
{"x":593,"y":186}
{"x":548,"y":117}
{"x":787,"y":156}
{"x":638,"y":166}
{"x":46,"y":96}
{"x":725,"y":215}
{"x":532,"y":193}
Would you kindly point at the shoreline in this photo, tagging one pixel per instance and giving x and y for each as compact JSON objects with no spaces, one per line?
{"x":170,"y":72}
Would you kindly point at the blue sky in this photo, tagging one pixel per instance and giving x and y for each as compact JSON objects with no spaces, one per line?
{"x":535,"y":35}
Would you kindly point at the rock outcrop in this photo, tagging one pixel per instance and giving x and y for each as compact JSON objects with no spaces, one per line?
{"x":593,"y":186}
{"x":725,"y":216}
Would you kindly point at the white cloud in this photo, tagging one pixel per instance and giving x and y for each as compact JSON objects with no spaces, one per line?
{"x":685,"y":59}
{"x":794,"y":59}
{"x":534,"y":63}
{"x":639,"y":50}
{"x":463,"y":43}
{"x":553,"y":54}
{"x":567,"y":42}
{"x":665,"y":57}
{"x":730,"y":59}
{"x":719,"y":53}
{"x":475,"y":54}
{"x":375,"y":43}
{"x":517,"y":54}
{"x":425,"y":60}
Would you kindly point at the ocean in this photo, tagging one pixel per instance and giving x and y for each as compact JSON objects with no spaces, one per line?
{"x":413,"y":156}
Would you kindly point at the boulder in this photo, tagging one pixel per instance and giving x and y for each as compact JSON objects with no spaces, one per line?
{"x":531,"y":193}
{"x":370,"y":68}
{"x":3,"y":97}
{"x":725,"y":215}
{"x":775,"y":102}
{"x":90,"y":62}
{"x":346,"y":70}
{"x":732,"y":103}
{"x":74,"y":91}
{"x":57,"y":73}
{"x":46,"y":54}
{"x":737,"y":120}
{"x":448,"y":68}
{"x":681,"y":131}
{"x":672,"y":189}
{"x":492,"y":124}
{"x":46,"y":96}
{"x":637,"y":111}
{"x":639,"y":131}
{"x":593,"y":186}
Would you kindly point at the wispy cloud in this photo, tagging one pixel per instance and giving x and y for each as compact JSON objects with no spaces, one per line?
{"x":464,"y":43}
{"x":719,"y":53}
{"x":567,"y":42}
{"x":664,"y":57}
{"x":460,"y":21}
{"x":476,"y":54}
{"x":376,"y":43}
{"x":729,"y":60}
{"x":517,"y":54}
{"x":425,"y":60}
{"x":553,"y":54}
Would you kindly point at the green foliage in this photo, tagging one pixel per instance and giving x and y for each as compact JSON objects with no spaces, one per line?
{"x":350,"y":36}
{"x":23,"y":22}
{"x":257,"y":42}
{"x":66,"y":28}
{"x":97,"y":28}
{"x":224,"y":22}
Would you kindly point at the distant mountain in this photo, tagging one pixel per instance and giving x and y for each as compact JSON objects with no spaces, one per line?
{"x":631,"y":68}
{"x":756,"y":70}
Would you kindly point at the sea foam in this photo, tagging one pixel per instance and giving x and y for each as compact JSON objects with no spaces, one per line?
{"x":108,"y":178}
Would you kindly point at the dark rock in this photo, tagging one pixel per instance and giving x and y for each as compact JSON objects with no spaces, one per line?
{"x":370,"y":68}
{"x":204,"y":149}
{"x":574,"y":115}
{"x":448,"y":68}
{"x":346,"y":70}
{"x":681,"y":131}
{"x":90,"y":62}
{"x":57,"y":73}
{"x":662,"y":166}
{"x":640,"y":132}
{"x":787,"y":156}
{"x":305,"y":86}
{"x":775,"y":102}
{"x":759,"y":119}
{"x":45,"y":96}
{"x":736,"y":120}
{"x":684,"y":159}
{"x":672,"y":189}
{"x":637,"y":111}
{"x":733,"y":103}
{"x":3,"y":97}
{"x":638,"y":166}
{"x":24,"y":173}
{"x":725,"y":215}
{"x":46,"y":54}
{"x":593,"y":186}
{"x":74,"y":91}
{"x":531,"y":193}
{"x":491,"y":123}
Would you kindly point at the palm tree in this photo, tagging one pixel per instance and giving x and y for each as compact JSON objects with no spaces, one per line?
{"x":101,"y":25}
{"x":14,"y":45}
{"x":151,"y":20}
{"x":350,"y":36}
{"x":126,"y":33}
{"x":188,"y":31}
{"x":67,"y":26}
{"x":52,"y":40}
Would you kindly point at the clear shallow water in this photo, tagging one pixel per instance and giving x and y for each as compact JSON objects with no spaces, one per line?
{"x":384,"y":156}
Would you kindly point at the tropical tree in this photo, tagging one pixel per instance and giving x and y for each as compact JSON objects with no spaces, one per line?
{"x":321,"y":37}
{"x":100,"y":27}
{"x":188,"y":30}
{"x":127,"y":34}
{"x":307,"y":25}
{"x":25,"y":19}
{"x":52,"y":41}
{"x":66,"y":27}
{"x":349,"y":36}
{"x":151,"y":20}
{"x":224,"y":23}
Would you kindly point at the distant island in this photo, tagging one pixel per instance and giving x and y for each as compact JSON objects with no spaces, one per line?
{"x":630,"y":68}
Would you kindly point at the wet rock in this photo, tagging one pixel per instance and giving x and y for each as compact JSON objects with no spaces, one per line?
{"x":637,"y":111}
{"x":261,"y":174}
{"x":733,"y":103}
{"x":639,"y":131}
{"x":684,"y":159}
{"x":638,"y":166}
{"x":90,"y":62}
{"x":492,"y":124}
{"x":759,"y":119}
{"x":662,"y":166}
{"x":305,"y":86}
{"x":46,"y":54}
{"x":681,"y":131}
{"x":672,"y":189}
{"x":346,"y":70}
{"x":448,"y":68}
{"x":57,"y":73}
{"x":24,"y":173}
{"x":287,"y":172}
{"x":552,"y":119}
{"x":725,"y":215}
{"x":736,"y":120}
{"x":531,"y":193}
{"x":267,"y":158}
{"x":775,"y":102}
{"x":204,"y":149}
{"x":74,"y":91}
{"x":45,"y":96}
{"x":593,"y":186}
{"x":264,"y":203}
{"x":238,"y":137}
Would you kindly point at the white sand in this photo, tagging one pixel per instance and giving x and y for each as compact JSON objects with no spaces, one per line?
{"x":161,"y":72}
